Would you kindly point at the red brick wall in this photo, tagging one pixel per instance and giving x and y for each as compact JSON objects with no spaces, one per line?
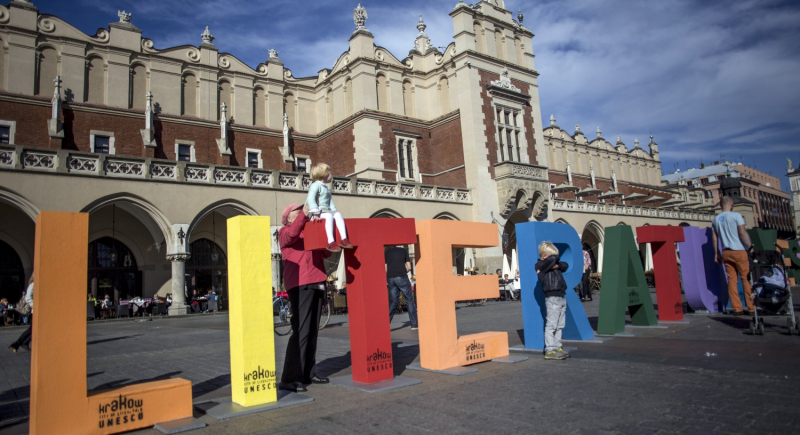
{"x":31,"y":123}
{"x":338,"y":151}
{"x":438,"y":149}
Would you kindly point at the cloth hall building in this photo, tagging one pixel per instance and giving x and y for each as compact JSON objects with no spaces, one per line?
{"x":161,"y":145}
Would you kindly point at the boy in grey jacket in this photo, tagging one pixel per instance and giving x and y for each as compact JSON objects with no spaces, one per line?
{"x":549,"y":270}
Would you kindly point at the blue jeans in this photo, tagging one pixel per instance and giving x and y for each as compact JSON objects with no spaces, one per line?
{"x":401,"y":284}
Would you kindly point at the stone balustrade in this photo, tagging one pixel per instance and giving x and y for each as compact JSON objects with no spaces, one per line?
{"x":111,"y":166}
{"x":571,"y":205}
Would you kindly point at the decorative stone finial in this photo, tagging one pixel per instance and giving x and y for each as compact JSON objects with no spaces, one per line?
{"x":651,"y":138}
{"x":360,"y":17}
{"x":273,"y":53}
{"x":520,"y":16}
{"x":207,"y":36}
{"x":578,"y":129}
{"x":423,"y":43}
{"x":552,"y":119}
{"x":599,"y":133}
{"x":636,"y":142}
{"x":619,"y":139}
{"x":124,"y":17}
{"x":148,"y":110}
{"x":56,"y":101}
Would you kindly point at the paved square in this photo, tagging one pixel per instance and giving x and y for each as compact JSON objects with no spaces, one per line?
{"x":660,"y":381}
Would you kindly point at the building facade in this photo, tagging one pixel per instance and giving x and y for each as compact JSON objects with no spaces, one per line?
{"x":794,"y":185}
{"x":772,"y":207}
{"x":161,"y":145}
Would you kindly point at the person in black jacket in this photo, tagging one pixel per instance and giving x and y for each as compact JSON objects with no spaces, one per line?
{"x":549,"y":270}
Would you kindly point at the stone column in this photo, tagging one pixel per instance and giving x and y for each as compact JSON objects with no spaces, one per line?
{"x":178,"y":306}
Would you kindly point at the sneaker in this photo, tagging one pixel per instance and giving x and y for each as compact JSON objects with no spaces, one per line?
{"x":414,"y":328}
{"x":554,"y":355}
{"x":563,"y":352}
{"x":345,"y":243}
{"x":26,"y":347}
{"x":14,"y":349}
{"x":333,"y":247}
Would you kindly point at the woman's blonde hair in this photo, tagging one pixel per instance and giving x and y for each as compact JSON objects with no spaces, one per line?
{"x":320,"y":171}
{"x":547,"y":248}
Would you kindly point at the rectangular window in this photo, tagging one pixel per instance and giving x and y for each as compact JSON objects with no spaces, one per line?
{"x":101,"y":144}
{"x":184,"y":153}
{"x":409,"y":159}
{"x":252,"y":160}
{"x":301,"y":165}
{"x":502,"y":151}
{"x":401,"y":158}
{"x":5,"y":134}
{"x":510,"y":146}
{"x":508,"y":135}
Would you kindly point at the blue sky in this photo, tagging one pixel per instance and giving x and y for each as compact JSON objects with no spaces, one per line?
{"x":705,"y":77}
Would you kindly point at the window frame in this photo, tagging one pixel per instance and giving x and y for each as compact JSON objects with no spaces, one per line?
{"x":12,"y":130}
{"x":257,"y":152}
{"x":109,"y":134}
{"x":405,"y":147}
{"x":192,"y":150}
{"x":509,"y":133}
{"x":307,"y":161}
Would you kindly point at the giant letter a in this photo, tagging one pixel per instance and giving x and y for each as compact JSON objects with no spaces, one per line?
{"x":623,"y":284}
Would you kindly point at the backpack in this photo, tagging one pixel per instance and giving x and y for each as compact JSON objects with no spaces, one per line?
{"x":23,"y":307}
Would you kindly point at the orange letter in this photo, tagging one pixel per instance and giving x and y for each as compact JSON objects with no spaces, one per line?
{"x":438,"y":290}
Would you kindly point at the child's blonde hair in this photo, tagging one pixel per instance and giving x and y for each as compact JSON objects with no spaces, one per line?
{"x":320,"y":171}
{"x":547,"y":248}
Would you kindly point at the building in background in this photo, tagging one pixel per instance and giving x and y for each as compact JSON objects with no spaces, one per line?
{"x":771,"y":205}
{"x":160,"y":145}
{"x":794,"y":185}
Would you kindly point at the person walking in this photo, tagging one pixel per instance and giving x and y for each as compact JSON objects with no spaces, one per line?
{"x":586,"y":289}
{"x":304,"y":276}
{"x":730,"y":233}
{"x":398,"y":264}
{"x":23,"y":339}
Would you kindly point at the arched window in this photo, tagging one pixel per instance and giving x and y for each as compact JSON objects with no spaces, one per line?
{"x":444,"y":95}
{"x":408,"y":99}
{"x":48,"y":70}
{"x":12,"y":275}
{"x":380,"y":86}
{"x":259,"y":107}
{"x":95,"y":81}
{"x":224,"y":96}
{"x":288,"y":109}
{"x":348,"y":97}
{"x":113,"y":270}
{"x":207,"y":269}
{"x":498,"y":43}
{"x":189,"y":95}
{"x":479,"y":45}
{"x":329,"y":106}
{"x":138,"y":85}
{"x":520,"y":51}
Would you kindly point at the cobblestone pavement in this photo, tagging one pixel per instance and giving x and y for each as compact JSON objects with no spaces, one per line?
{"x":660,"y":381}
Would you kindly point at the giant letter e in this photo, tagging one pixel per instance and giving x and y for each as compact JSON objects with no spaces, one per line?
{"x":438,"y":289}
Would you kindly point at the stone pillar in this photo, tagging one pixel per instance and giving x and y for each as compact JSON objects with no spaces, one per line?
{"x":178,"y":306}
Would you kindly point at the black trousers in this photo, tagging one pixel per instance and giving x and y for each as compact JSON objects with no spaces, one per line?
{"x":24,"y":337}
{"x":301,"y":351}
{"x":586,"y":289}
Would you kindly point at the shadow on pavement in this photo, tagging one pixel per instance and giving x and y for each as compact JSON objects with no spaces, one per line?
{"x":401,"y":357}
{"x":111,"y":339}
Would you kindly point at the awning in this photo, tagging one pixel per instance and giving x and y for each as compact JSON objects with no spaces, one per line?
{"x":654,"y":199}
{"x":589,"y":191}
{"x":672,"y":201}
{"x":610,"y":194}
{"x":634,"y":196}
{"x":565,"y":188}
{"x":691,"y":203}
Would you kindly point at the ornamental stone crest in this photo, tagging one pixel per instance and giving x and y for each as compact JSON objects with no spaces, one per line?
{"x":207,"y":36}
{"x":422,"y":43}
{"x":124,"y":17}
{"x":273,"y":53}
{"x":360,"y":17}
{"x":505,"y":81}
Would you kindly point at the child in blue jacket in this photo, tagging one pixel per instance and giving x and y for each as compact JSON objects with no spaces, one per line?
{"x":321,"y":206}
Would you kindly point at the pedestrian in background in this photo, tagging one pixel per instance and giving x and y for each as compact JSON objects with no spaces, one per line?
{"x":730,"y":232}
{"x":23,"y":339}
{"x":398,"y":264}
{"x":586,"y":294}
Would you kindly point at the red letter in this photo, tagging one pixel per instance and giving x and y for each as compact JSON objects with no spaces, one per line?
{"x":665,"y":267}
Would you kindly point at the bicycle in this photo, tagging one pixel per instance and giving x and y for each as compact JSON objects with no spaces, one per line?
{"x":282,"y":313}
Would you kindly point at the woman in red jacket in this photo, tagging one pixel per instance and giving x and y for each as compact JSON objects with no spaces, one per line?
{"x":304,"y":278}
